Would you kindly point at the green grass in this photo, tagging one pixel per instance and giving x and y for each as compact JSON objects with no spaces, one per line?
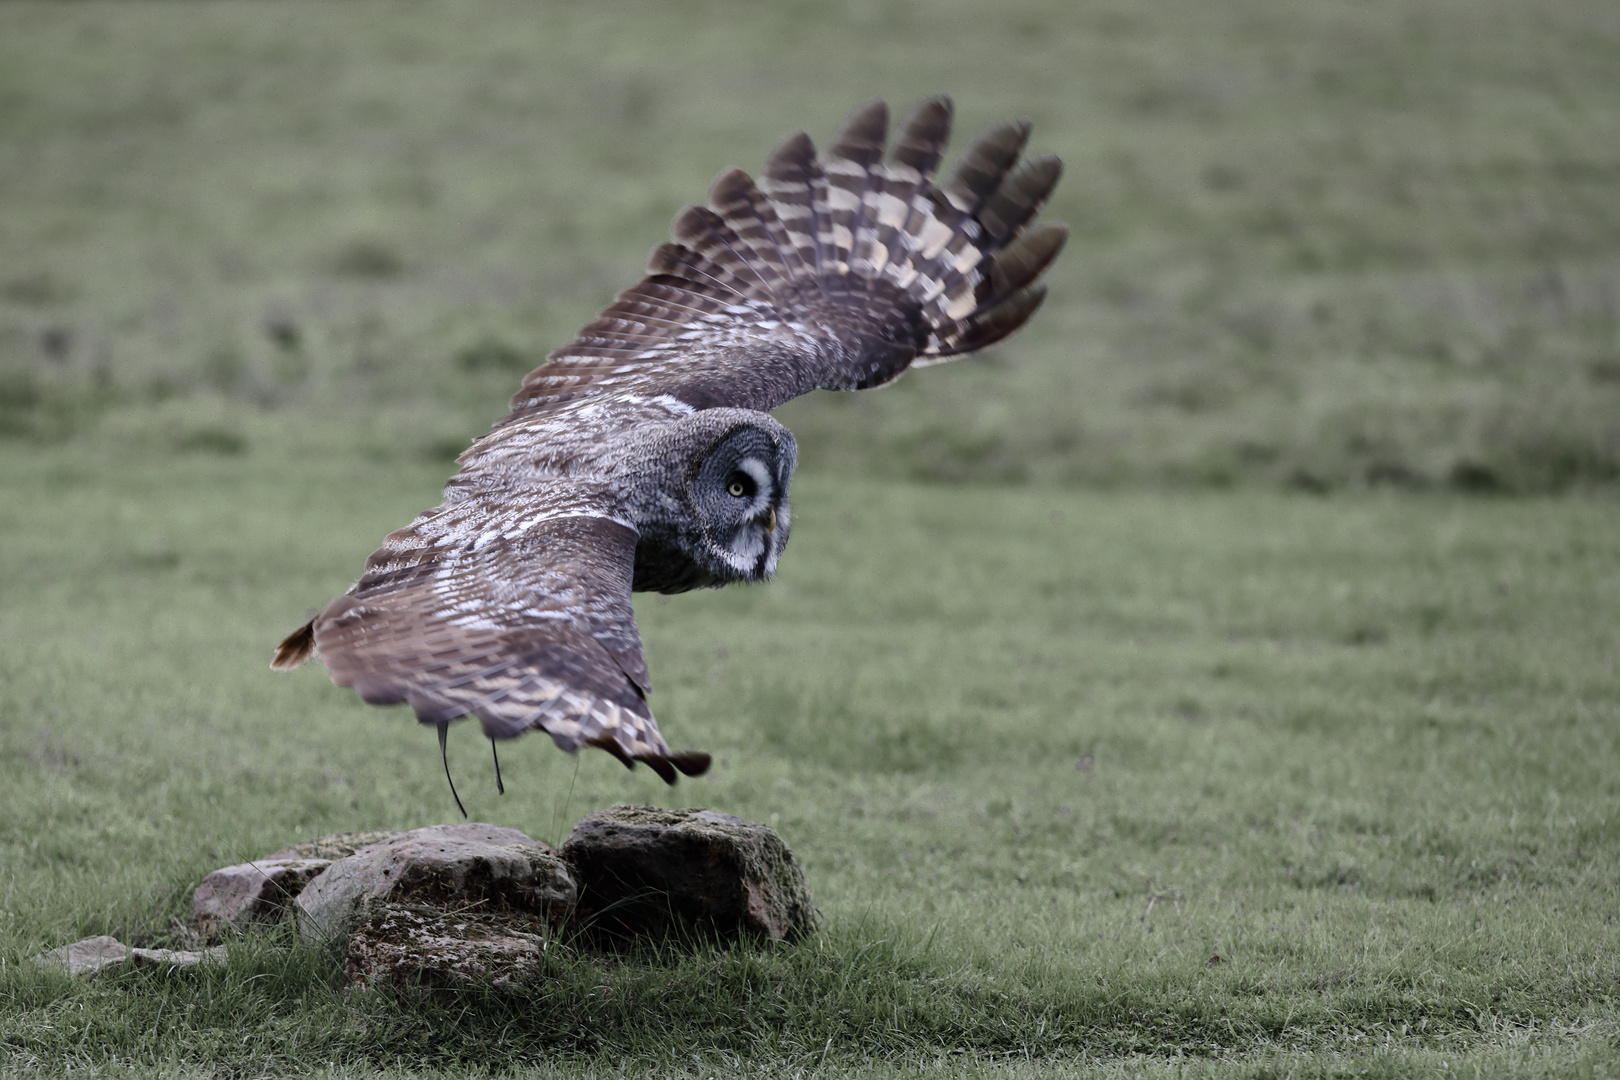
{"x":1317,"y":244}
{"x":1043,"y":755}
{"x":1133,"y":696}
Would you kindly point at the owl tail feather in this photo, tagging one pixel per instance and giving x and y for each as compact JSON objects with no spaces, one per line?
{"x":296,"y":650}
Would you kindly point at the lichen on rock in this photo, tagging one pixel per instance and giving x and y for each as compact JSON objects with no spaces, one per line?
{"x":451,"y":867}
{"x":422,"y":945}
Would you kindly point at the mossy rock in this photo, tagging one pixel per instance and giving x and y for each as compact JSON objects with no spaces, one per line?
{"x":650,"y":873}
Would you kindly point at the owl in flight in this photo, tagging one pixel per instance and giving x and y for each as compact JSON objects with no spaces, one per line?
{"x":642,"y":456}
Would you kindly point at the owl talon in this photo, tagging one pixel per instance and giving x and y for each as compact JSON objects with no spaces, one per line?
{"x":444,"y":756}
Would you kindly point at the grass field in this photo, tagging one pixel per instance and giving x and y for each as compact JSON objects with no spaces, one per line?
{"x":1319,"y":244}
{"x":1258,"y":602}
{"x":1043,"y":755}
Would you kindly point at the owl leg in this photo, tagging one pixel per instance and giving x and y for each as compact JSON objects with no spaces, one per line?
{"x":444,"y":729}
{"x":499,"y":787}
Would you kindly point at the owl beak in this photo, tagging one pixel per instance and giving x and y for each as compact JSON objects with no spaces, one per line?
{"x":770,"y":520}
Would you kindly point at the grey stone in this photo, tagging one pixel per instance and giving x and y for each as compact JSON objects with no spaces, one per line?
{"x":233,"y":896}
{"x":644,"y":872}
{"x":85,"y":957}
{"x":95,"y":955}
{"x":175,"y":958}
{"x":263,"y":890}
{"x":473,"y":867}
{"x":416,"y":945}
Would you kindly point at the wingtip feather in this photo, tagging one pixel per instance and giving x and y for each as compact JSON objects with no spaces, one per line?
{"x":691,"y":762}
{"x":923,"y":133}
{"x":988,"y":325}
{"x":861,"y":136}
{"x":661,"y":766}
{"x":985,"y":162}
{"x":1025,"y":259}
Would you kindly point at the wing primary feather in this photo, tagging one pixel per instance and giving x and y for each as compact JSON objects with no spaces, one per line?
{"x":985,"y":163}
{"x":611,"y":745}
{"x":922,"y":135}
{"x":851,"y":164}
{"x":793,"y":180}
{"x":500,"y":788}
{"x":695,"y":266}
{"x":742,"y":256}
{"x":1018,"y":198}
{"x":736,"y":198}
{"x":984,"y":327}
{"x":661,"y":766}
{"x":692,"y":762}
{"x":1022,"y":261}
{"x":885,"y":249}
{"x":444,"y":756}
{"x":701,"y":228}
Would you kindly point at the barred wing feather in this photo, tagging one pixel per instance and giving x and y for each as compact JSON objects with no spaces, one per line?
{"x":838,"y":271}
{"x":475,"y":610}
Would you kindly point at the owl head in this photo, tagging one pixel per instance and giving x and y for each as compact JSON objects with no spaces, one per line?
{"x":709,"y":494}
{"x":738,"y":496}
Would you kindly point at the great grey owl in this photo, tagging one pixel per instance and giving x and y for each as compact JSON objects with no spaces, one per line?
{"x":641,"y":456}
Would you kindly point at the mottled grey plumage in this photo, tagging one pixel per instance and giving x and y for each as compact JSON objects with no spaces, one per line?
{"x":640,"y":457}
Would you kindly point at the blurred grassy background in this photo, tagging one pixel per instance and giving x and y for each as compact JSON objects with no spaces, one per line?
{"x":1042,"y":753}
{"x":265,"y":267}
{"x":1317,"y":244}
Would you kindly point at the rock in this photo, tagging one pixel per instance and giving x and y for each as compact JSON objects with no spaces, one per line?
{"x":85,"y":957}
{"x":175,"y":958}
{"x":233,"y":896}
{"x":416,"y":945}
{"x":644,"y":871}
{"x":95,"y":955}
{"x":476,"y":867}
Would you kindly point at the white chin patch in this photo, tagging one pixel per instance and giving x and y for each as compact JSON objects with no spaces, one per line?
{"x":747,"y":545}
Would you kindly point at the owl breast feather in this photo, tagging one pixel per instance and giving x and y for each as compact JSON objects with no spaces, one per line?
{"x":662,"y":566}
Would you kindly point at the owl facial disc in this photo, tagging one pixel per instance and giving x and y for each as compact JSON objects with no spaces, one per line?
{"x":740,"y":492}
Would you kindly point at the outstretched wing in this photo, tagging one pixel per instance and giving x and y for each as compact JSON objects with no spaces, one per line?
{"x":836,"y":272}
{"x":494,"y":608}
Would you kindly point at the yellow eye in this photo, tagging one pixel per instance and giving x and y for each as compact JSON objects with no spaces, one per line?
{"x":736,"y":489}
